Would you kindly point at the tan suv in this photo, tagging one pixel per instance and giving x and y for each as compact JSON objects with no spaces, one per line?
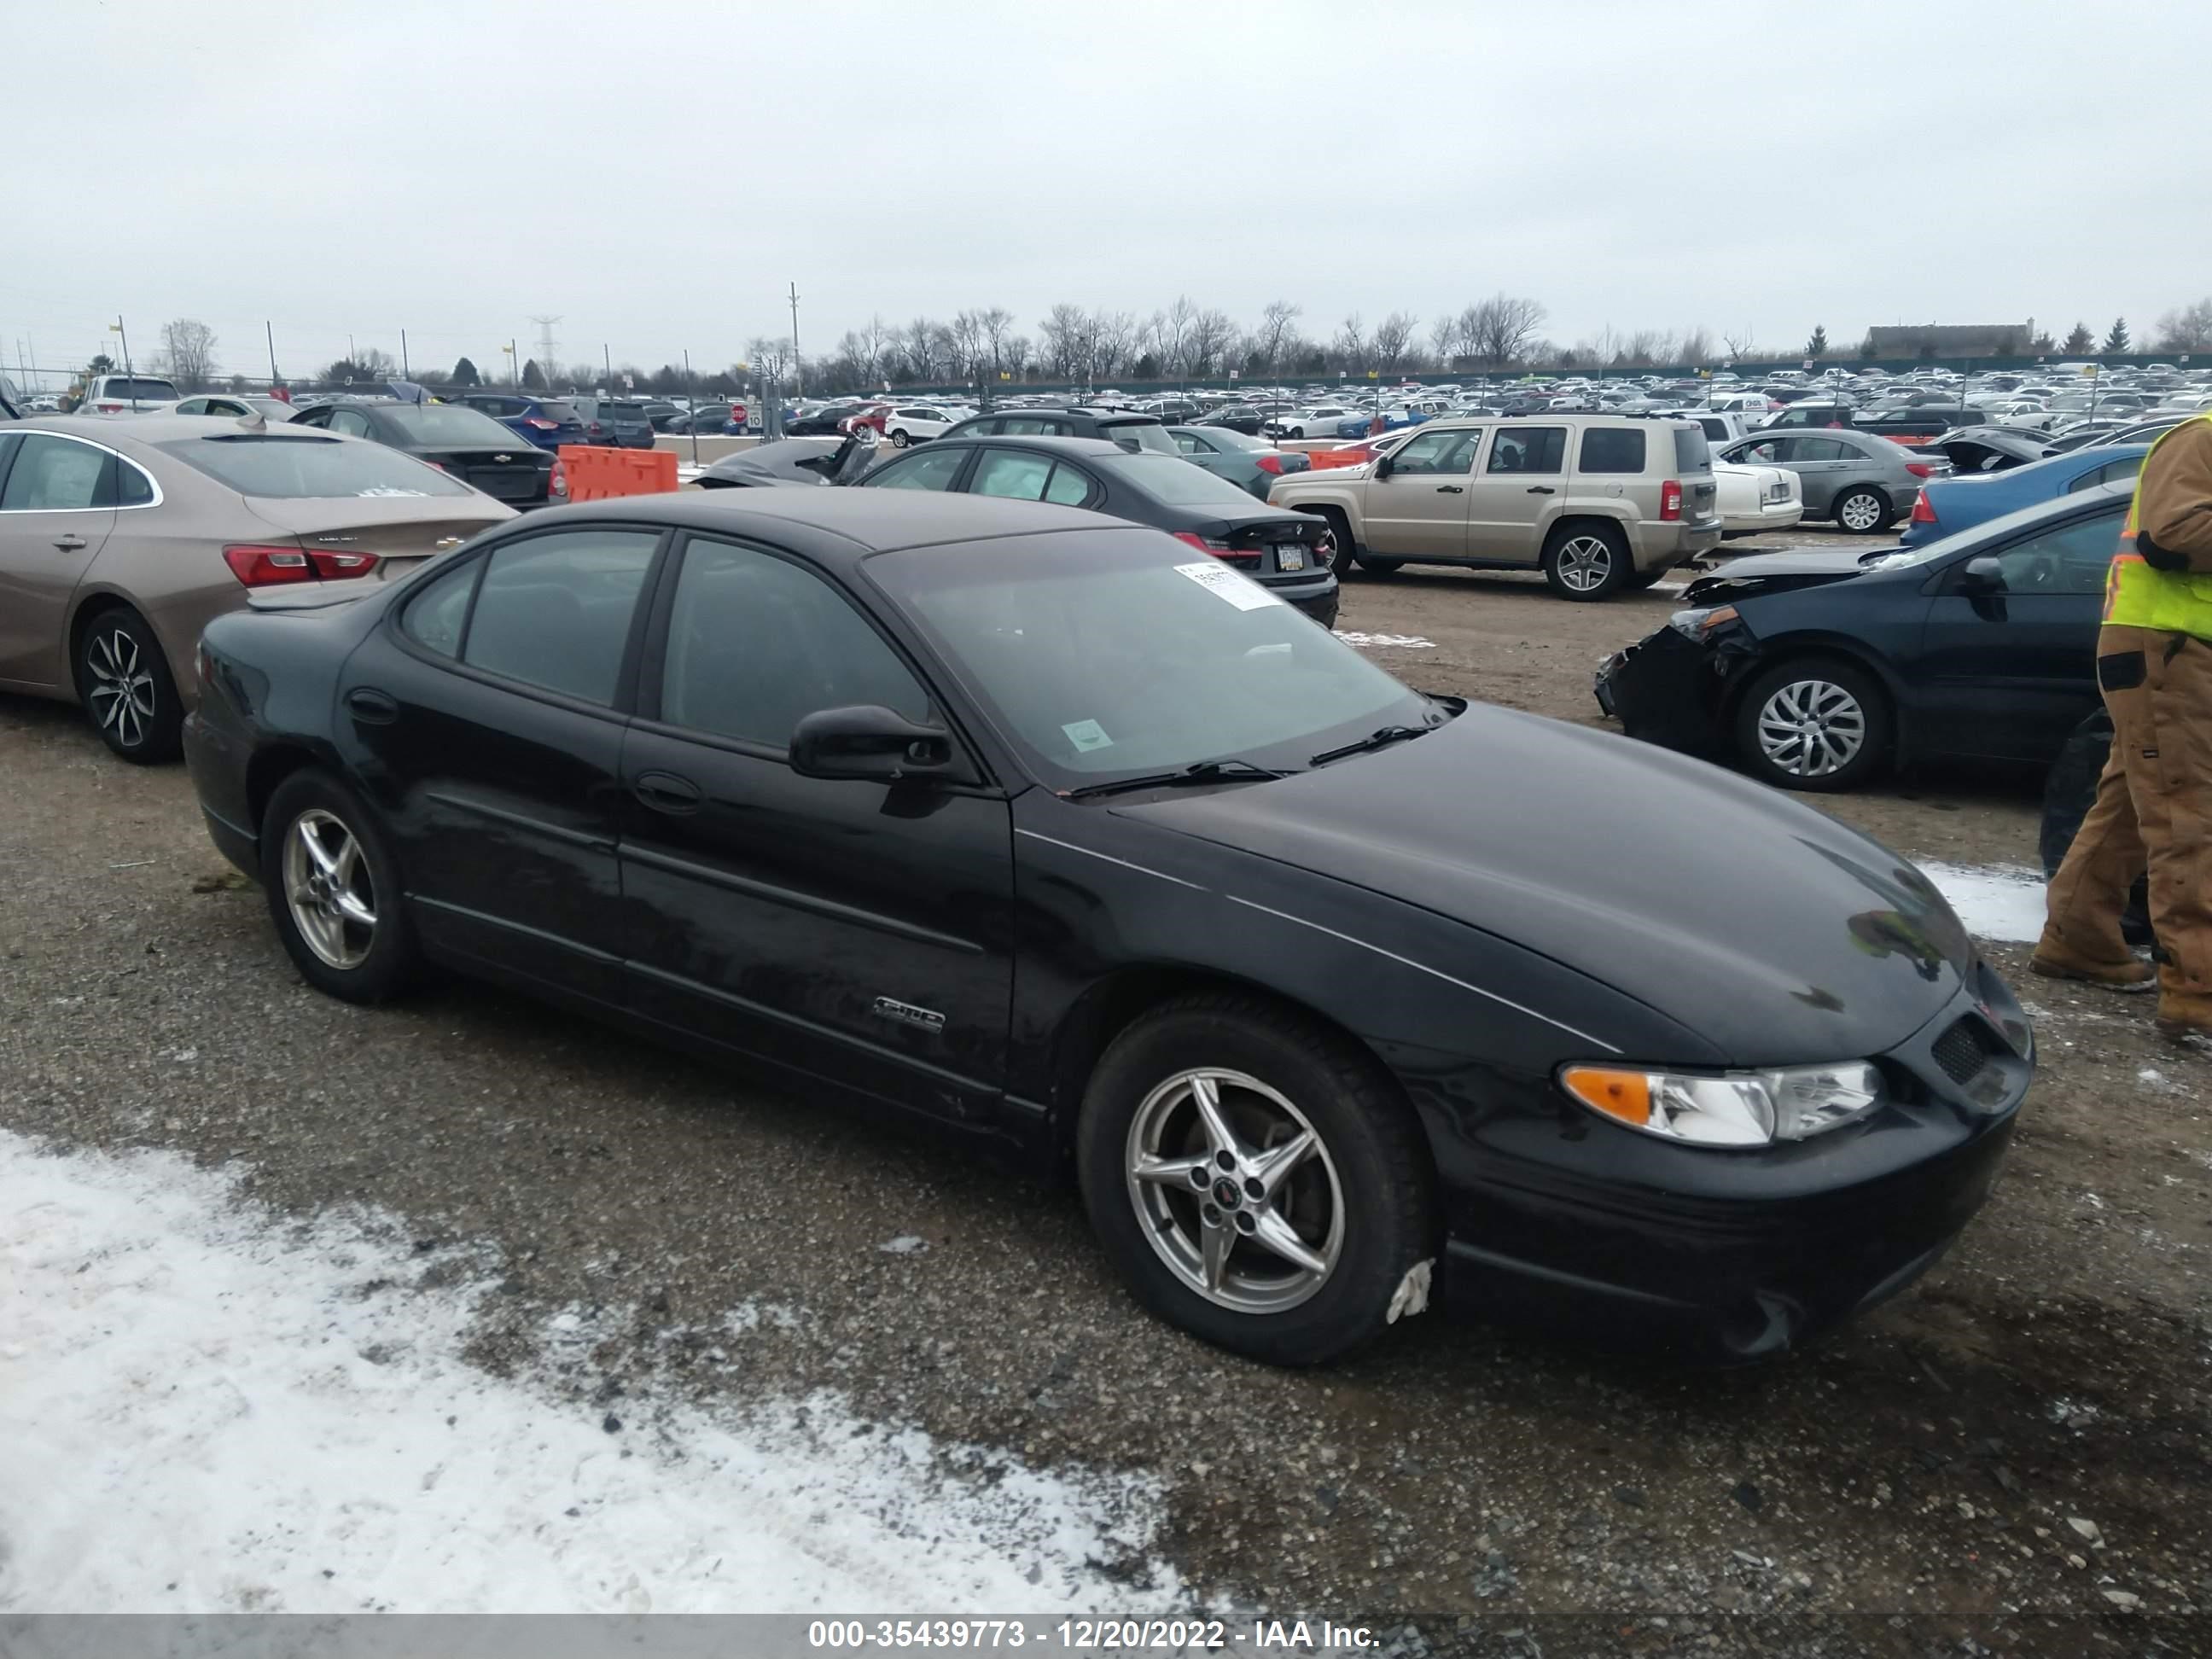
{"x":1598,"y":502}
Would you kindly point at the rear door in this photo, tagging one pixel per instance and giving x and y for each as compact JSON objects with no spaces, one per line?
{"x":487,"y":723}
{"x":57,"y":509}
{"x":855,"y":930}
{"x":1509,"y":500}
{"x":2010,"y":673}
{"x":1419,"y":509}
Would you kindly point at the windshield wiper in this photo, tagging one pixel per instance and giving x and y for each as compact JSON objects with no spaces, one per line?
{"x":1212,"y":771}
{"x":1380,"y":739}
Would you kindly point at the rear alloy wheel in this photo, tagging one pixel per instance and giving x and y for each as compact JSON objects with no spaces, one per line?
{"x":1863,"y":511}
{"x":899,"y":439}
{"x":1587,"y":561}
{"x":333,"y":890}
{"x":124,"y":682}
{"x":1813,"y":725}
{"x":1256,"y":1179}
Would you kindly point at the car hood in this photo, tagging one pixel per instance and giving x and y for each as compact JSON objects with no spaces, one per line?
{"x":1774,"y":572}
{"x":1747,"y":917}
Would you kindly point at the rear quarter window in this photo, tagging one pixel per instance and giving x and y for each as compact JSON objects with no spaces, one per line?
{"x":1691,"y":452}
{"x":1611,"y":449}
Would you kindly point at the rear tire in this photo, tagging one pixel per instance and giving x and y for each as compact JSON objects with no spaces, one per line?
{"x":898,"y":440}
{"x":1587,"y":561}
{"x":1864,"y":511}
{"x":1845,"y":705}
{"x":1356,"y":1213}
{"x":123,"y":682}
{"x":334,"y":890}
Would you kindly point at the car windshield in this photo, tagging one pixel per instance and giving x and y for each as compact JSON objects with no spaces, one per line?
{"x":303,"y":467}
{"x":1148,"y":435}
{"x":1175,"y":481}
{"x":1112,"y":652}
{"x":447,"y":423}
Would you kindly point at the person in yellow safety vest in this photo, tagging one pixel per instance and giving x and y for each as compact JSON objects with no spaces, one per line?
{"x":2154,"y":806}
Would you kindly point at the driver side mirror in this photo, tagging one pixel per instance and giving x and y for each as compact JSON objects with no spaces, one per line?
{"x":1383,"y":466}
{"x":868,"y":741}
{"x":1981,"y":575}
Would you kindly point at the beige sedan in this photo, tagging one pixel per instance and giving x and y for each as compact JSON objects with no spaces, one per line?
{"x":119,"y":540}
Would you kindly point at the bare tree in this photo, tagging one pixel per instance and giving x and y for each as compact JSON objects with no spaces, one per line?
{"x":1113,"y":339}
{"x":1212,"y":335}
{"x":1498,"y":330}
{"x":968,"y":344}
{"x":919,"y":342}
{"x":1739,"y":343}
{"x":1443,"y":339}
{"x":1393,"y":335}
{"x":1351,"y":342}
{"x":1696,"y":346}
{"x":994,"y":327}
{"x":1063,"y":337}
{"x":188,"y":352}
{"x":1278,"y":332}
{"x":2188,"y":328}
{"x":770,"y":355}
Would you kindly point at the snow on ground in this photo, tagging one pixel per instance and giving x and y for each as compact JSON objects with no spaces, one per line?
{"x":1387,"y":641}
{"x":206,"y":1407}
{"x":2005,"y":905}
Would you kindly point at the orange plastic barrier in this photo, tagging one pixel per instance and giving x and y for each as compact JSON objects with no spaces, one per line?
{"x":1322,"y":458}
{"x":595,"y":474}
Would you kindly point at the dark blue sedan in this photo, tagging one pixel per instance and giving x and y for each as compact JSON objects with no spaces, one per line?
{"x":548,"y":423}
{"x":1815,"y":671}
{"x":1950,"y":505}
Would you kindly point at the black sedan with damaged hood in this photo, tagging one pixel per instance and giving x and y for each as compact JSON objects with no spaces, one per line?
{"x":1077,"y":843}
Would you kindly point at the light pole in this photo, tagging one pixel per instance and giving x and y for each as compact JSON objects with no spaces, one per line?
{"x":513,"y":366}
{"x":797,"y":367}
{"x":691,"y":396}
{"x":129,"y":378}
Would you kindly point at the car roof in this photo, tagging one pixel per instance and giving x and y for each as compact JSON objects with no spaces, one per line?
{"x":1032,"y":440}
{"x":151,"y":428}
{"x":841,"y":525}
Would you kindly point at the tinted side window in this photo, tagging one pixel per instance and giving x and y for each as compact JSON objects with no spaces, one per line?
{"x":933,"y":469}
{"x":2110,"y":472}
{"x":53,"y":475}
{"x":434,"y":617}
{"x":133,"y":487}
{"x":2071,"y":559}
{"x":1612,"y":449}
{"x":1011,"y":474}
{"x":351,"y":422}
{"x":555,"y":610}
{"x":756,"y":644}
{"x":1529,"y":449}
{"x":1822,"y":449}
{"x":1067,"y":487}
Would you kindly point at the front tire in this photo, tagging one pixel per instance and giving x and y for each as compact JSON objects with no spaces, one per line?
{"x":898,"y":440}
{"x":1864,"y":511}
{"x":1255,"y":1178}
{"x":1814,"y":725}
{"x":334,"y":891}
{"x":123,"y":682}
{"x":1587,"y":562}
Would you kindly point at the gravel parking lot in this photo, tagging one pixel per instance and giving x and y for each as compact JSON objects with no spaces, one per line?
{"x":2025,"y":1432}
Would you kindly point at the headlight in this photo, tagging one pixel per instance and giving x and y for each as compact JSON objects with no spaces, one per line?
{"x":1696,"y":624}
{"x":1734,"y":1108}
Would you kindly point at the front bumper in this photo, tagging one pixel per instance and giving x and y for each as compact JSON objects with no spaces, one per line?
{"x":1671,"y":690}
{"x":1725,"y":1257}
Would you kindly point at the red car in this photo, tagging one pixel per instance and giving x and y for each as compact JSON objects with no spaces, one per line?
{"x":868,"y":415}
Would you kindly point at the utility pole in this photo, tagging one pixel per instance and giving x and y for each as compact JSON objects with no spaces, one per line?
{"x":691,"y":396}
{"x":798,"y":372}
{"x":269,"y":332}
{"x":513,"y":364}
{"x":117,"y":326}
{"x":607,"y":361}
{"x":405,"y":372}
{"x":349,"y":356}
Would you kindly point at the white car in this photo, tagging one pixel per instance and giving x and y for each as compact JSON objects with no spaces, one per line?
{"x":126,"y":394}
{"x":1752,"y":499}
{"x":917,"y":423}
{"x":1318,"y":421}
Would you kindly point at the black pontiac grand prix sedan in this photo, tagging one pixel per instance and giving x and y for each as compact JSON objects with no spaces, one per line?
{"x":1087,"y":848}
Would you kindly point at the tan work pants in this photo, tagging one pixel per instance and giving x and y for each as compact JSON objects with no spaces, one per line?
{"x":2154,"y":810}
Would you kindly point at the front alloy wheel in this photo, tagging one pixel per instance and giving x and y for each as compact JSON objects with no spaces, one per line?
{"x":121,"y":695}
{"x":1812,"y":729}
{"x":1235,"y":1191}
{"x":1862,"y":512}
{"x":328,"y":886}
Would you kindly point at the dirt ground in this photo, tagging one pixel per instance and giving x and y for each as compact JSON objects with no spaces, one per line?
{"x":2021,"y":1438}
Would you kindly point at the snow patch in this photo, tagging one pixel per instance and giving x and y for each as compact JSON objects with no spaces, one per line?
{"x":206,"y":1407}
{"x":1994,"y":902}
{"x":1389,"y":642}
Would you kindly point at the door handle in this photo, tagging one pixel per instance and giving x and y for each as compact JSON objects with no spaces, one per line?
{"x":372,"y":707}
{"x":664,"y":792}
{"x":1541,"y":489}
{"x":69,"y":543}
{"x":1448,"y":489}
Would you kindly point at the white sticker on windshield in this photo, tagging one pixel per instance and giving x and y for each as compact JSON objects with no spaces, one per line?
{"x":1087,"y":735}
{"x":1219,"y":580}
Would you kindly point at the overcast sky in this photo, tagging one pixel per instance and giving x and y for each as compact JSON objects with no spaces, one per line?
{"x":654,"y":173}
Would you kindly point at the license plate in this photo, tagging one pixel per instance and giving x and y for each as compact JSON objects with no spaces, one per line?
{"x":1290,"y":556}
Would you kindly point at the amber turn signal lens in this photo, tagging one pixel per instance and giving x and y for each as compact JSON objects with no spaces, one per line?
{"x":1624,"y":1095}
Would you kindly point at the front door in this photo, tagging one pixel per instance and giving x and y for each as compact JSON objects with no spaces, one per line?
{"x":850,"y":930}
{"x":2010,"y":672}
{"x":1417,"y":509}
{"x":489,"y":732}
{"x":1522,"y":480}
{"x":57,"y":507}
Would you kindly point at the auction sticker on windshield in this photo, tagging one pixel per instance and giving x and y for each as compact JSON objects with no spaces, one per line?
{"x":1087,"y":735}
{"x":1220,"y":580}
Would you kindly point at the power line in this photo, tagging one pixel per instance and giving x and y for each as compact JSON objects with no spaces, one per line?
{"x":546,"y":346}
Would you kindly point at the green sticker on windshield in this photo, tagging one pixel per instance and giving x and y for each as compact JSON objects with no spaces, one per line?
{"x":1087,"y":735}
